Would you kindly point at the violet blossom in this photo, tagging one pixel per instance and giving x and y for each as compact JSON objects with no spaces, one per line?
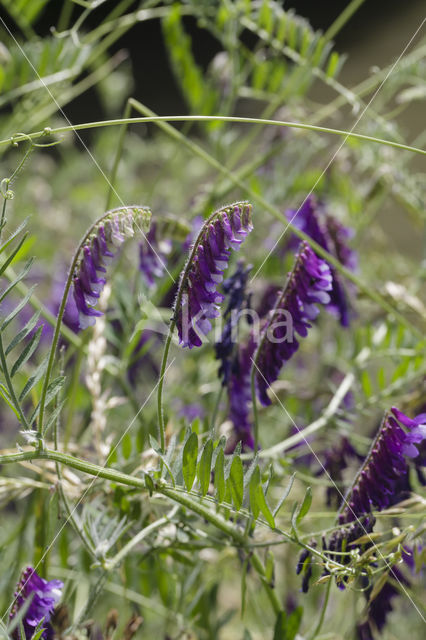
{"x":235,"y":290}
{"x":43,"y":596}
{"x":332,"y":236}
{"x":308,"y":284}
{"x":379,"y":480}
{"x":199,"y":298}
{"x":239,"y":392}
{"x":97,"y":253}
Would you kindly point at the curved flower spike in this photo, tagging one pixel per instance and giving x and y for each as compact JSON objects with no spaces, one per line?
{"x":98,"y":252}
{"x":378,"y":482}
{"x":308,"y":284}
{"x":198,"y":300}
{"x":42,"y":596}
{"x":332,"y":236}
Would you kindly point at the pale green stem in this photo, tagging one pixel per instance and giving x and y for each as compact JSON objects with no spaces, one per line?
{"x":342,"y":19}
{"x":120,"y":145}
{"x":161,"y":487}
{"x":113,"y":562}
{"x":322,"y":615}
{"x":19,"y":137}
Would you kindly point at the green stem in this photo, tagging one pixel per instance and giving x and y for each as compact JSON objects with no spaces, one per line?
{"x":120,"y":145}
{"x":113,"y":562}
{"x":19,"y":137}
{"x":215,"y":412}
{"x":322,"y":615}
{"x":3,"y":214}
{"x":342,"y":19}
{"x":161,"y":487}
{"x":160,"y":409}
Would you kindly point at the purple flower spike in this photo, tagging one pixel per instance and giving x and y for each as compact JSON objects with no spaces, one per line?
{"x":235,"y":291}
{"x":239,"y":391}
{"x":97,"y":254}
{"x":308,"y":285}
{"x":384,"y":474}
{"x":198,"y":299}
{"x":43,"y":596}
{"x":332,"y":236}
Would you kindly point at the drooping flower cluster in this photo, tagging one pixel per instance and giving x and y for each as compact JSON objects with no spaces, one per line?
{"x":43,"y":595}
{"x":235,"y":291}
{"x":332,"y":236}
{"x":153,"y":252}
{"x":336,"y":460}
{"x":97,"y":254}
{"x":308,"y":284}
{"x":379,"y":480}
{"x":198,"y":299}
{"x":239,"y":391}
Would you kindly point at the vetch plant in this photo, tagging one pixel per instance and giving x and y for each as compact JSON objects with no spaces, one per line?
{"x":191,"y":442}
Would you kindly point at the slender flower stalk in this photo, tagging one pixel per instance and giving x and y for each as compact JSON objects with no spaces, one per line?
{"x":378,"y":482}
{"x":89,"y":263}
{"x":42,"y":596}
{"x":197,"y":299}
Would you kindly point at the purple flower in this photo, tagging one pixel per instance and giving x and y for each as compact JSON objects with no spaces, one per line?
{"x":332,"y":236}
{"x":235,"y":290}
{"x":97,"y":254}
{"x":199,"y":299}
{"x":308,"y":285}
{"x":153,"y":255}
{"x":44,"y":596}
{"x":239,"y":392}
{"x":385,"y":470}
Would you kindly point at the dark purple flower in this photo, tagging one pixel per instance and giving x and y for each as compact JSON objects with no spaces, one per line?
{"x":153,"y":255}
{"x":235,"y":291}
{"x":239,"y":392}
{"x":378,"y":483}
{"x":332,"y":236}
{"x":44,"y":595}
{"x":200,"y":299}
{"x":97,"y":254}
{"x":296,"y":307}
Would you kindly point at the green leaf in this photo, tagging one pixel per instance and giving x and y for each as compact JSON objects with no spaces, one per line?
{"x":12,"y":256}
{"x":23,"y":333}
{"x":20,"y":277}
{"x":204,"y":467}
{"x":31,"y":382}
{"x":189,"y":460}
{"x":18,"y":308}
{"x":287,"y":626}
{"x":126,"y":446}
{"x":305,"y":506}
{"x":219,"y":476}
{"x":236,"y":482}
{"x":27,"y":351}
{"x":264,"y":507}
{"x":285,"y":495}
{"x":253,"y":485}
{"x":13,"y":235}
